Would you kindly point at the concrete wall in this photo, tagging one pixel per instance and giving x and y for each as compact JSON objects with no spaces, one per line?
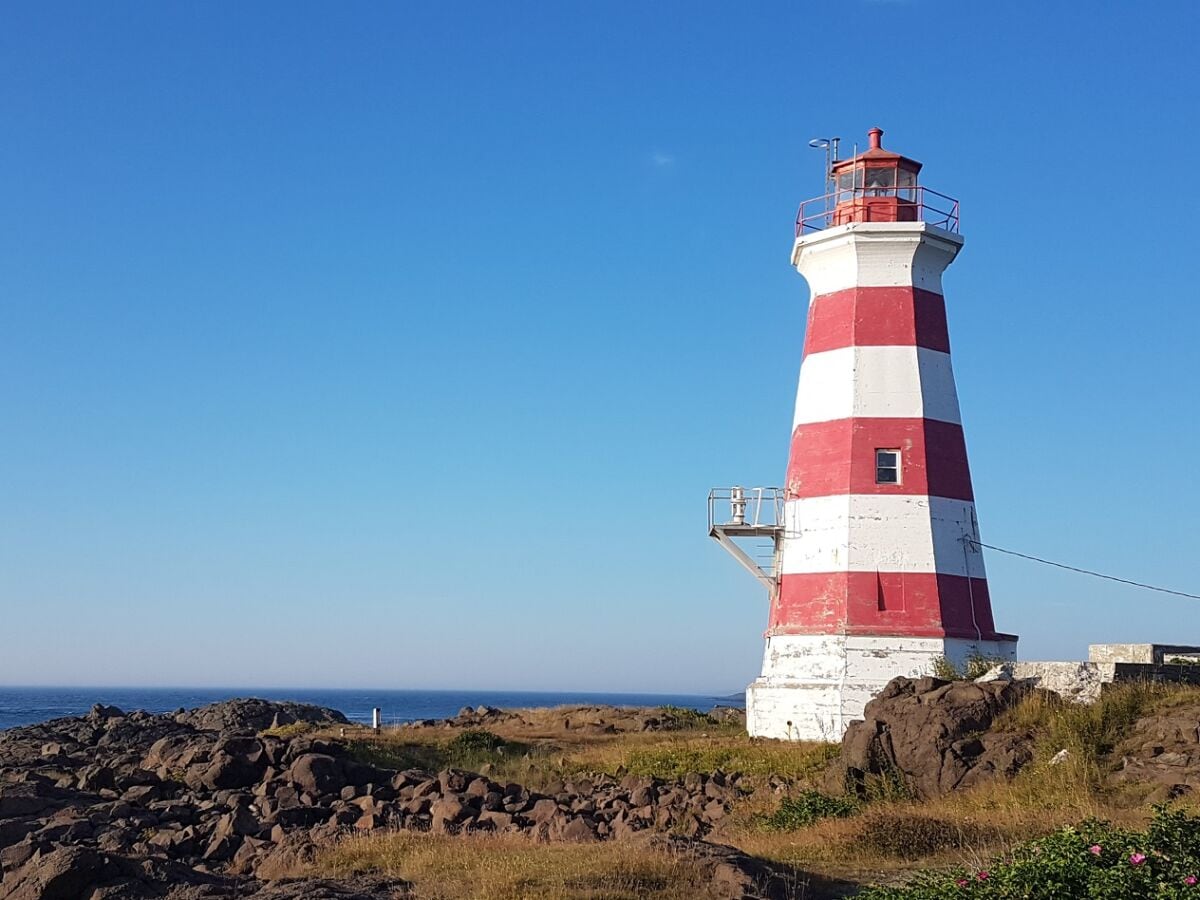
{"x":1083,"y":682}
{"x":1142,"y":654}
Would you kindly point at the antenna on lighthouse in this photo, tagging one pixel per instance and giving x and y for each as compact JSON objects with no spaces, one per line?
{"x":830,"y":146}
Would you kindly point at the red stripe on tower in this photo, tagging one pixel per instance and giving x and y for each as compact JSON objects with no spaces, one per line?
{"x":838,"y":457}
{"x":877,"y":316}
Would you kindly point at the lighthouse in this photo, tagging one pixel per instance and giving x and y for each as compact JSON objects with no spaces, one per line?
{"x":875,"y":568}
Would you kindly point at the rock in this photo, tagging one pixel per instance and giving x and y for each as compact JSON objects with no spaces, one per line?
{"x":62,"y":874}
{"x":317,"y":773}
{"x":543,"y":810}
{"x":237,"y":762}
{"x":254,"y":715}
{"x":221,"y":848}
{"x":359,"y":888}
{"x":730,"y":873}
{"x":578,"y":831}
{"x":448,"y":813}
{"x":934,"y":735}
{"x":100,"y":713}
{"x":14,"y":856}
{"x":453,"y":780}
{"x":23,"y":799}
{"x":1163,"y":751}
{"x":240,"y":823}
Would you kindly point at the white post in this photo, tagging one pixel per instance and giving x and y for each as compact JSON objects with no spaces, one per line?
{"x":375,"y":719}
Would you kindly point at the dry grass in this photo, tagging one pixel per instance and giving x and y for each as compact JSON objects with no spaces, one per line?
{"x":889,"y":839}
{"x":672,"y":755}
{"x":541,"y":755}
{"x":513,"y":868}
{"x":1088,"y":734}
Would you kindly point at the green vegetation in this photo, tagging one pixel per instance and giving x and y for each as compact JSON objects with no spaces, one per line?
{"x":976,"y":666}
{"x":472,"y":743}
{"x":683,"y":717}
{"x":287,"y":732}
{"x":1092,"y":862}
{"x":471,"y":750}
{"x":787,"y":761}
{"x":807,"y":807}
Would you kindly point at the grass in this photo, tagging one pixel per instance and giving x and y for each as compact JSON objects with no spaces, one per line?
{"x":1088,"y":734}
{"x":287,"y":732}
{"x":539,"y":755}
{"x":673,"y":756}
{"x":885,"y":838}
{"x":475,"y":750}
{"x":513,"y":868}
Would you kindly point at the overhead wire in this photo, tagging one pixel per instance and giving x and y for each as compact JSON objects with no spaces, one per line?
{"x":1058,"y":565}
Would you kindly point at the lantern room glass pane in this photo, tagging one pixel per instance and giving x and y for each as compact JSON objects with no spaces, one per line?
{"x":881,"y":182}
{"x":849,"y":181}
{"x":877,"y":178}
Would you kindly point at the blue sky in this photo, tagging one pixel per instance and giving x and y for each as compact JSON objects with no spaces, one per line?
{"x":398,"y":345}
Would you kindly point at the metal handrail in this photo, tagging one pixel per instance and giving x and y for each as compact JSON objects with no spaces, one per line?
{"x":760,"y":506}
{"x":812,"y":217}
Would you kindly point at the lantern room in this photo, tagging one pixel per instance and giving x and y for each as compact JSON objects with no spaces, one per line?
{"x":875,"y":186}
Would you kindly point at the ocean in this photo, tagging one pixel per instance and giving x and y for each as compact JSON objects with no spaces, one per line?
{"x":26,"y":705}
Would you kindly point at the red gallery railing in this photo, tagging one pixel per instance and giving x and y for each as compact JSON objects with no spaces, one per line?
{"x":912,"y":204}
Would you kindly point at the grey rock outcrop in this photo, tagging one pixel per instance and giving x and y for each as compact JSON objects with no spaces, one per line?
{"x":934,"y":736}
{"x":252,"y":715}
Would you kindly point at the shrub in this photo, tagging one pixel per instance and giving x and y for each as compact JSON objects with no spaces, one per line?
{"x":976,"y":665}
{"x":467,"y":750}
{"x":684,"y":717}
{"x":757,"y":759}
{"x":1094,"y":861}
{"x":908,"y":834}
{"x":475,"y":741}
{"x":294,"y":729}
{"x":807,"y":807}
{"x":946,"y":670}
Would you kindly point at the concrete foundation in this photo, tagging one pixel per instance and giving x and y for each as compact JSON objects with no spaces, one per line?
{"x":814,"y":686}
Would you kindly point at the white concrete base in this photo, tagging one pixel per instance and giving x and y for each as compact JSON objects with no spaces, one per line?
{"x":814,"y":685}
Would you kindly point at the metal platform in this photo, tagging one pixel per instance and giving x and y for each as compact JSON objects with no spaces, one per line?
{"x":737,"y":514}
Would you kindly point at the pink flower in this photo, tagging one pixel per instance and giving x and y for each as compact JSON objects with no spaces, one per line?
{"x":1095,"y":849}
{"x":982,"y":876}
{"x":962,"y":882}
{"x":1190,"y":880}
{"x":1136,"y":859}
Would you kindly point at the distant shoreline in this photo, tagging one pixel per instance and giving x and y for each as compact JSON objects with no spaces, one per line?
{"x":29,"y":705}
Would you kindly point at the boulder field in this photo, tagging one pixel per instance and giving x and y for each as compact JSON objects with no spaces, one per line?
{"x":203,"y":804}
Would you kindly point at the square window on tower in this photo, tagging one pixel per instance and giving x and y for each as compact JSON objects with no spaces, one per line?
{"x":887,"y":466}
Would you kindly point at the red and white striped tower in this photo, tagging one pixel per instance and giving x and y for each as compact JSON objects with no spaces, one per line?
{"x":877,"y":570}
